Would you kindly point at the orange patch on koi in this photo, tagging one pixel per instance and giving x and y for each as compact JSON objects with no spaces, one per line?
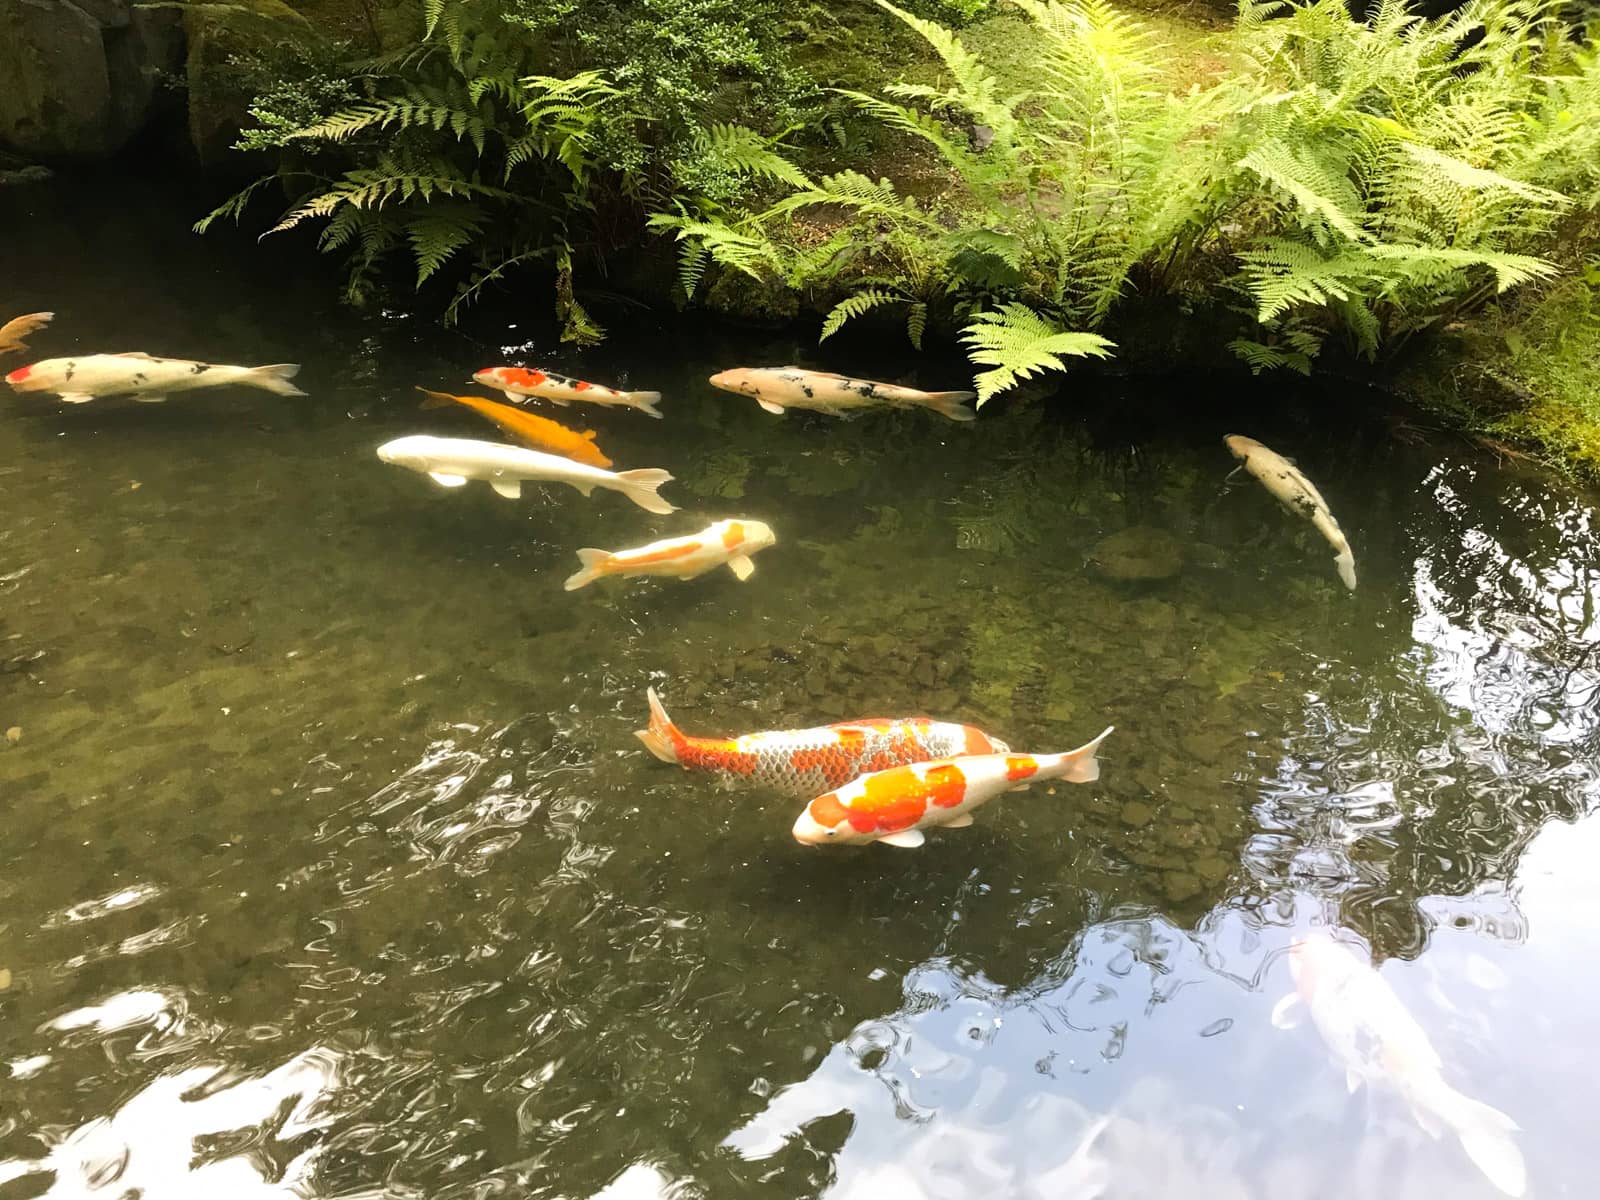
{"x":826,"y":810}
{"x":1020,"y":767}
{"x":667,"y":555}
{"x":733,"y":534}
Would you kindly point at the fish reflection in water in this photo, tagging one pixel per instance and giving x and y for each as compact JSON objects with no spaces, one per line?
{"x":189,"y":1136}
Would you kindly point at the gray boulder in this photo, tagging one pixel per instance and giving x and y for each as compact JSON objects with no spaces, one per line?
{"x":80,"y":76}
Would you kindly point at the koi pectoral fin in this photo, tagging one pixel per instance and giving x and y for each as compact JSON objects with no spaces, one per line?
{"x":776,"y":409}
{"x":445,"y":480}
{"x":1288,"y":1012}
{"x":960,"y":822}
{"x":76,"y":397}
{"x":149,"y":397}
{"x":511,"y":489}
{"x":741,"y":566}
{"x":906,"y":839}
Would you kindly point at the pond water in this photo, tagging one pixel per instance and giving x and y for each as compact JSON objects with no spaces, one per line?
{"x":333,"y":867}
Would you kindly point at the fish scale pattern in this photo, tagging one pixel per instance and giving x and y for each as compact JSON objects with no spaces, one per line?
{"x":804,"y":762}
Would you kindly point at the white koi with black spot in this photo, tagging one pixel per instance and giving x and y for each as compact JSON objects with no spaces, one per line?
{"x":778,"y":389}
{"x":91,"y":376}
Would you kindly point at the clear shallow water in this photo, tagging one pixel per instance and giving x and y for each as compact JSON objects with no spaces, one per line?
{"x":333,"y":867}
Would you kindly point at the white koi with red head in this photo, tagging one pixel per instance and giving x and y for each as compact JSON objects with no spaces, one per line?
{"x":1377,"y":1041}
{"x":725,"y":544}
{"x":778,"y":389}
{"x":87,"y":377}
{"x":896,"y":805}
{"x":518,"y":383}
{"x":803,"y":762}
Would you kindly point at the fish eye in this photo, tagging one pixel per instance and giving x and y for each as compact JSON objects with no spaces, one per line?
{"x":831,"y":832}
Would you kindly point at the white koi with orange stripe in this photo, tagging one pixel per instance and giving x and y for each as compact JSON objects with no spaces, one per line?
{"x":896,"y":805}
{"x":725,"y":544}
{"x":802,"y":762}
{"x":518,"y":383}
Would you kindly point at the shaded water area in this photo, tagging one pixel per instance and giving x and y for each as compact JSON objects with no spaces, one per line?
{"x":332,"y":866}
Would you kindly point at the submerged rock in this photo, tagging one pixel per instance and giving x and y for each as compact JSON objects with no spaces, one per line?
{"x":1137,"y":553}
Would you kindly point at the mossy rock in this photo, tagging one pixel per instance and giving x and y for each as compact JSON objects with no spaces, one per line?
{"x":233,"y":52}
{"x":760,"y":301}
{"x":1138,"y":553}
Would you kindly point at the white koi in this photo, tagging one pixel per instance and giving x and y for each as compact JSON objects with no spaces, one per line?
{"x":778,"y":389}
{"x":451,"y":462}
{"x":725,"y":544}
{"x":80,"y":380}
{"x":1378,"y":1041}
{"x":1296,"y":493}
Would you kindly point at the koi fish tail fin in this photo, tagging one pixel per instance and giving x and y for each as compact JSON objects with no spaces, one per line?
{"x":663,"y":737}
{"x":646,"y":402}
{"x":1485,"y":1134}
{"x":640,"y":487}
{"x":1346,"y":562}
{"x":274,"y":379}
{"x":1081,"y":765}
{"x":436,"y":399}
{"x":953,"y":405}
{"x":592,"y":560}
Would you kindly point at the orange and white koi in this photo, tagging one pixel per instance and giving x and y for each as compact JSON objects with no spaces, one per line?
{"x":725,"y":544}
{"x":803,"y":762}
{"x":520,"y":382}
{"x":1377,"y":1040}
{"x":80,"y":380}
{"x":778,"y":389}
{"x":14,"y":333}
{"x":528,"y":428}
{"x":896,"y":805}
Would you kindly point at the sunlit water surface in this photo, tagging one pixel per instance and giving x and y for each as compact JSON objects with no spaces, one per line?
{"x":333,"y":869}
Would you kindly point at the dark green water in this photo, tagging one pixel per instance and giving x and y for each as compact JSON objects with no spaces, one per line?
{"x":328,"y":792}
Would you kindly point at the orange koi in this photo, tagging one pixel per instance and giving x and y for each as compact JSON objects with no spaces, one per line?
{"x":528,"y":428}
{"x":801,"y":762}
{"x":896,"y":805}
{"x":519,"y":382}
{"x":14,"y":333}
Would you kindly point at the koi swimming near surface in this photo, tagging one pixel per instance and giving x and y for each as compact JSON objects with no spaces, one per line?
{"x":896,"y":805}
{"x":529,"y":428}
{"x":778,"y":389}
{"x":80,"y":380}
{"x":15,"y":332}
{"x":724,"y":544}
{"x":520,"y":382}
{"x":803,"y":762}
{"x":451,"y":462}
{"x":1297,"y":494}
{"x":1378,"y":1041}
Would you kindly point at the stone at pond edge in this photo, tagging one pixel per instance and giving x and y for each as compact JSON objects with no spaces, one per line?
{"x":1137,"y":553}
{"x":78,"y":77}
{"x":228,"y":50}
{"x":1137,"y":814}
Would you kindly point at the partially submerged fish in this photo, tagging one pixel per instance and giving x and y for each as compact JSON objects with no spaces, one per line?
{"x":896,"y":805}
{"x":14,"y":333}
{"x":450,"y":462}
{"x":79,"y":380}
{"x":778,"y":389}
{"x":1296,"y":493}
{"x":1378,"y":1041}
{"x":517,"y":382}
{"x":803,"y":762}
{"x":725,"y":544}
{"x":529,"y":428}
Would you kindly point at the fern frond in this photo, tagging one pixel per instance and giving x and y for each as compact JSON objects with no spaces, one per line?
{"x":234,"y":205}
{"x":746,"y":152}
{"x":854,"y":306}
{"x":1017,"y":343}
{"x":1319,"y":188}
{"x":438,"y":232}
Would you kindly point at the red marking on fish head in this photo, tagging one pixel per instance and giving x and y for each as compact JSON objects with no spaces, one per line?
{"x":1020,"y":766}
{"x":489,"y":374}
{"x":19,"y":374}
{"x":733,"y":534}
{"x":826,"y":811}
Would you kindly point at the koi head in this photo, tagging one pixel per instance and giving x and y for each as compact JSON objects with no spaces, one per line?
{"x":16,"y":378}
{"x":490,"y":376}
{"x":826,"y":821}
{"x":1240,"y":446}
{"x":755,"y":535}
{"x":1318,"y":963}
{"x":412,"y":452}
{"x":740,"y":380}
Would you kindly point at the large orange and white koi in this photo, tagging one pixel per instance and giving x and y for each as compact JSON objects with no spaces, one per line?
{"x":801,"y":762}
{"x":520,"y":382}
{"x":1378,"y":1041}
{"x":896,"y":805}
{"x":724,"y":544}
